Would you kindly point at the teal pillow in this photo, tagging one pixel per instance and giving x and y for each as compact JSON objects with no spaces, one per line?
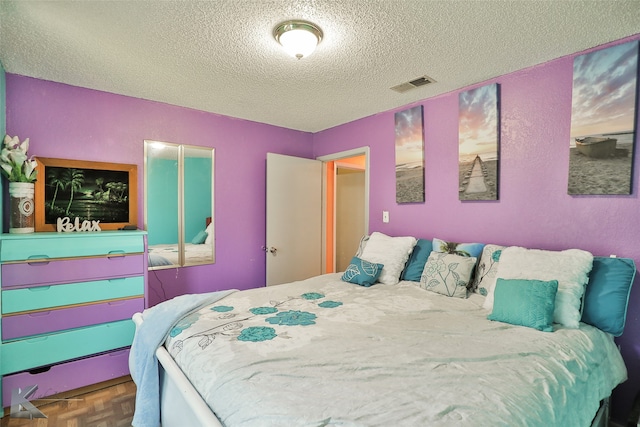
{"x":413,"y":270}
{"x":362,"y":272}
{"x":525,"y":303}
{"x":199,"y":238}
{"x":607,"y":293}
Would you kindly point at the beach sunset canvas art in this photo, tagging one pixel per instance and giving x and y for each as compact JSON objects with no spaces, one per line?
{"x":603,"y":121}
{"x":409,"y":155}
{"x":478,"y":143}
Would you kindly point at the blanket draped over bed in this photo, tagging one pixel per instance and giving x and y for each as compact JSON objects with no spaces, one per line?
{"x":324,"y":352}
{"x":159,"y":320}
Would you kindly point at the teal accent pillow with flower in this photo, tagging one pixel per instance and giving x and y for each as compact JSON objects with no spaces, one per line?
{"x":362,"y":272}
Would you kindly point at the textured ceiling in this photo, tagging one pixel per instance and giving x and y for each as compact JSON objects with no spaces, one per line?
{"x":220,"y":56}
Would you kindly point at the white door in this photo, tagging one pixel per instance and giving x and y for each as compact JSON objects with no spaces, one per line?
{"x":294,"y":218}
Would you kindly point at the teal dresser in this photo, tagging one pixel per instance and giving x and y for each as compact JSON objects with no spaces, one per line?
{"x":66,"y":303}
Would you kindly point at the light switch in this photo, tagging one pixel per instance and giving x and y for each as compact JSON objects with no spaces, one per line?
{"x":385,"y":216}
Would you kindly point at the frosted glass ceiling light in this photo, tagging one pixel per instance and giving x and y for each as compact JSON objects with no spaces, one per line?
{"x":298,"y":38}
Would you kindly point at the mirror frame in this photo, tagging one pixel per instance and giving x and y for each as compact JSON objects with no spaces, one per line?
{"x":181,"y":148}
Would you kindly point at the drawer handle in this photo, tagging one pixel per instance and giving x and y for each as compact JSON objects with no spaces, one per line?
{"x":38,"y":260}
{"x":40,"y":314}
{"x":39,"y":288}
{"x":116,"y":254}
{"x":39,"y":370}
{"x":35,"y":340}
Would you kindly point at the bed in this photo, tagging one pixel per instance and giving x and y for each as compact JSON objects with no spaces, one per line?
{"x":162,"y":255}
{"x":330,"y":351}
{"x":198,"y":251}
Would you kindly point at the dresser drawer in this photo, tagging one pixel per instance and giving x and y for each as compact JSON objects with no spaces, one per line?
{"x":71,"y":270}
{"x":46,"y":350}
{"x":44,"y":297}
{"x":68,"y":376}
{"x":42,"y":322}
{"x":68,"y":245}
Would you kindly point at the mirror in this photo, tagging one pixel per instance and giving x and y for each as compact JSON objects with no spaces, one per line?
{"x":178,"y":209}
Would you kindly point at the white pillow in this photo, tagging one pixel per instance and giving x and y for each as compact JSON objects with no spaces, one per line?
{"x":209,"y":231}
{"x":391,"y":252}
{"x":363,"y":242}
{"x":570,"y":268}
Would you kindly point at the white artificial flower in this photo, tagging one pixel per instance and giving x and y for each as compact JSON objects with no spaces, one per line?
{"x":24,"y":146}
{"x":13,"y":160}
{"x":4,"y":156}
{"x":11,"y":142}
{"x":7,"y":168}
{"x":18,"y":158}
{"x":30,"y":169}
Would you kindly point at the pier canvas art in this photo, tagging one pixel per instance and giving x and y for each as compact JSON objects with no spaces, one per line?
{"x":603,"y":122}
{"x":478,"y":143}
{"x":409,"y":155}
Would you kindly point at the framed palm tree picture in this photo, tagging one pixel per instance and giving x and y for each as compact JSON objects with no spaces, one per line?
{"x":89,"y":191}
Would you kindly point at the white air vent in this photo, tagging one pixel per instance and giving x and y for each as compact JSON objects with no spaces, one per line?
{"x":412,"y":84}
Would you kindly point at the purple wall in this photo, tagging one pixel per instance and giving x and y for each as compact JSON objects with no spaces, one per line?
{"x":533,"y":210}
{"x":74,"y":123}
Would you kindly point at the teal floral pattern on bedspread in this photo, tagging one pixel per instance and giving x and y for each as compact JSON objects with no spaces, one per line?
{"x":257,"y":333}
{"x":241,"y":325}
{"x":293,"y":318}
{"x":183,"y":324}
{"x":221,"y":308}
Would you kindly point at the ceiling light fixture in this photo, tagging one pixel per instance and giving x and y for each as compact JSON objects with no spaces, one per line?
{"x":298,"y":38}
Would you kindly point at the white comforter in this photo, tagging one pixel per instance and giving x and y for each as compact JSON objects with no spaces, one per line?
{"x":324,"y":352}
{"x":194,"y":254}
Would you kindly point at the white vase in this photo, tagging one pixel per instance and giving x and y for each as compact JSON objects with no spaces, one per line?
{"x":21,"y":207}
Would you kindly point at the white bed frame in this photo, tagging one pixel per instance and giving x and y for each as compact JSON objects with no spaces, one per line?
{"x":181,"y":405}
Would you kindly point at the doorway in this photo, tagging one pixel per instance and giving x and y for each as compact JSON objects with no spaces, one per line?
{"x":346,"y":200}
{"x":314,"y":227}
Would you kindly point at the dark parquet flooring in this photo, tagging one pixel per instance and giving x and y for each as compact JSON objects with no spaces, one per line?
{"x":108,"y":404}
